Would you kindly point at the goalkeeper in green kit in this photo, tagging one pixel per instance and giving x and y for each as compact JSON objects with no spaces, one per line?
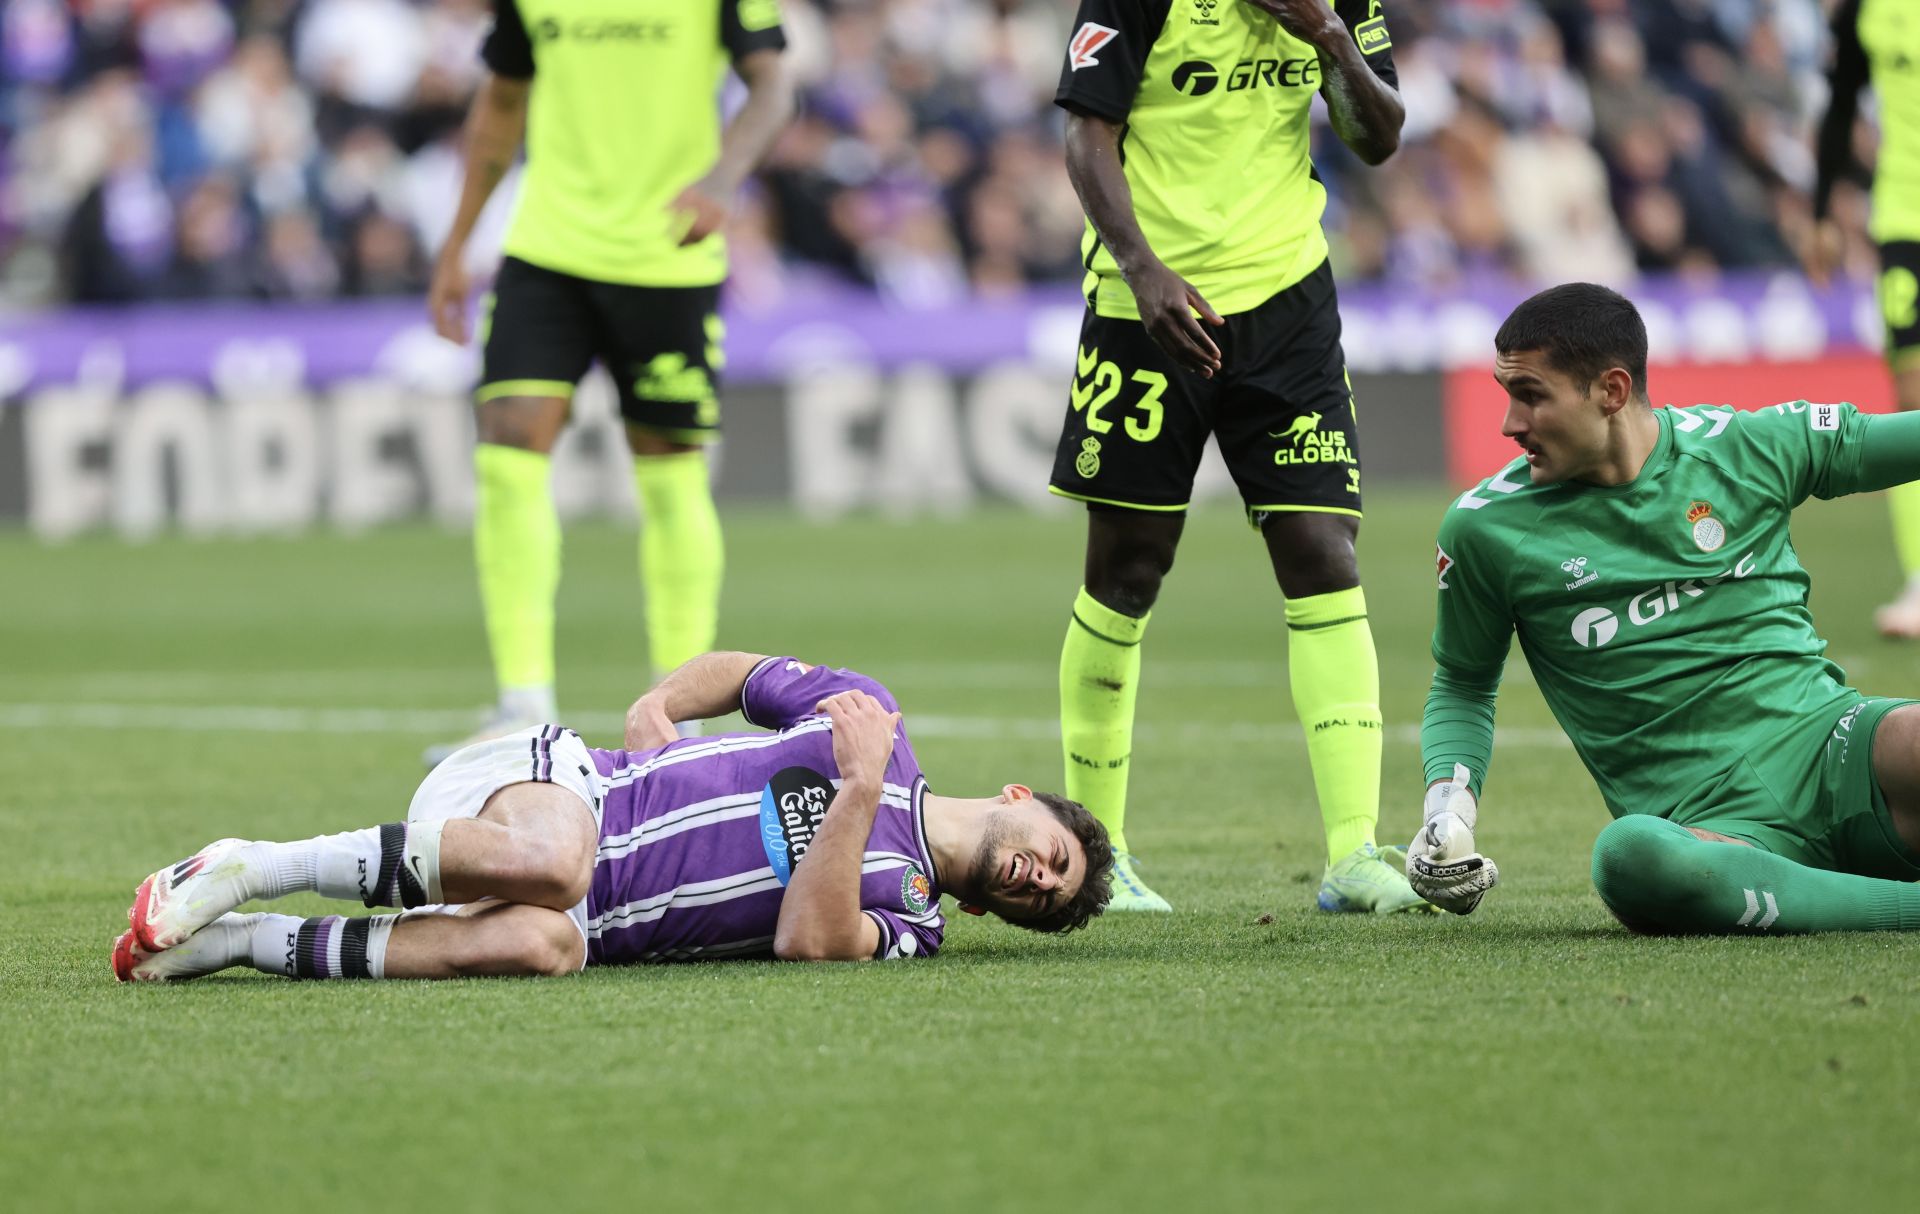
{"x":1642,"y":556}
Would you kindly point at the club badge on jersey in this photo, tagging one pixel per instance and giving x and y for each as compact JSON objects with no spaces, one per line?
{"x":1708,"y":532}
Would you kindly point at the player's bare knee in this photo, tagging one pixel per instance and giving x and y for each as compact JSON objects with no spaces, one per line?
{"x":1130,"y":587}
{"x":529,"y":423}
{"x":1312,"y":553}
{"x":553,"y":872}
{"x":552,"y":947}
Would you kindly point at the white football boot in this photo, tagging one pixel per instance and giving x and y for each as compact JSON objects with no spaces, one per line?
{"x":222,"y":944}
{"x":181,"y":899}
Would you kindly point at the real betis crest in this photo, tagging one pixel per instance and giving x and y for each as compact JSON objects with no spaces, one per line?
{"x":1708,"y":531}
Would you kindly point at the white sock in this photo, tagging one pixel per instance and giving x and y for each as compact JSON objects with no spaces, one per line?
{"x":690,"y":729}
{"x":397,"y":864}
{"x":332,"y":946}
{"x":345,"y":865}
{"x":528,"y":703}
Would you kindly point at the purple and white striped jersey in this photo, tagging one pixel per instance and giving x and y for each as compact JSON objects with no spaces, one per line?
{"x":698,"y":839}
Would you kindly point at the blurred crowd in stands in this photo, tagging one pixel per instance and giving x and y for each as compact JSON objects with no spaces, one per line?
{"x":310,"y":149}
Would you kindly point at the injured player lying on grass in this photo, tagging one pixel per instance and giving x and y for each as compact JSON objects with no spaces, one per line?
{"x":536,"y":854}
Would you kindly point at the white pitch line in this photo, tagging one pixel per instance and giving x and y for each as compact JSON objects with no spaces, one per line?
{"x":241,"y":718}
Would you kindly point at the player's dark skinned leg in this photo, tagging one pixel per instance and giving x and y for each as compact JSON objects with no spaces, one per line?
{"x":530,"y":423}
{"x":1312,"y":553}
{"x":1333,"y":677}
{"x":1129,"y":554}
{"x":1659,"y":878}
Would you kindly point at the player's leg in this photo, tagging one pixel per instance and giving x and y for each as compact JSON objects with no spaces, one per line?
{"x":1896,"y":771}
{"x":1129,"y":553}
{"x":670,"y":340}
{"x":1129,"y":449}
{"x":1845,"y":862}
{"x":515,"y":818}
{"x":1899,"y":292}
{"x":1661,"y":878}
{"x":480,"y":939}
{"x":1289,"y":434}
{"x":536,"y":348}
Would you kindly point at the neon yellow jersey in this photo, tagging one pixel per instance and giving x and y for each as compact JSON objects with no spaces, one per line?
{"x":622,"y":116}
{"x":1215,"y":97}
{"x":1890,"y":33}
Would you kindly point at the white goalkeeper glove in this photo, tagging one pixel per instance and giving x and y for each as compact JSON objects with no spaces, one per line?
{"x":1442,"y":865}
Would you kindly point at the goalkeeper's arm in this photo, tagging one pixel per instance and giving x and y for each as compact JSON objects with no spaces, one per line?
{"x":1456,"y":744}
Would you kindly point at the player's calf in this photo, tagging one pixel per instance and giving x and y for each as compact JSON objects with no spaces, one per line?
{"x":1659,"y":877}
{"x":492,"y":939}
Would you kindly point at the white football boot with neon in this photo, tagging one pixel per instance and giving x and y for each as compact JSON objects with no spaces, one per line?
{"x":181,"y":899}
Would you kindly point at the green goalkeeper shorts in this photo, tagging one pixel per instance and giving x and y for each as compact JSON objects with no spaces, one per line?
{"x":1813,"y":799}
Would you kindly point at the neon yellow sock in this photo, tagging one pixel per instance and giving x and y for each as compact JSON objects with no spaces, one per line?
{"x":516,"y":546}
{"x":1099,"y":679}
{"x":1903,"y":501}
{"x":682,"y":556}
{"x":1336,"y":692}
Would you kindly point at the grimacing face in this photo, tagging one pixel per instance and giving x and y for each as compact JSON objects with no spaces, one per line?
{"x":1560,"y":424}
{"x":1028,"y":864}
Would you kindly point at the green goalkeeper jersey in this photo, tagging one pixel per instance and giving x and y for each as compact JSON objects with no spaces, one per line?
{"x":1665,"y":620}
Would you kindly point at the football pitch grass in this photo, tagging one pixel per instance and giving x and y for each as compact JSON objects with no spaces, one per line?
{"x":1245,"y":1053}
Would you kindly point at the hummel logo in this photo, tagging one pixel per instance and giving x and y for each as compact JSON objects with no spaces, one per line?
{"x":1753,"y":908}
{"x":1578,"y":568}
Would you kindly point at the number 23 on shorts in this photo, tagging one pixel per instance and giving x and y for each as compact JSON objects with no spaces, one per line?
{"x":1098,"y":383}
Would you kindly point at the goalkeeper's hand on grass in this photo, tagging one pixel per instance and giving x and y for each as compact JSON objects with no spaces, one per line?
{"x":1442,"y":865}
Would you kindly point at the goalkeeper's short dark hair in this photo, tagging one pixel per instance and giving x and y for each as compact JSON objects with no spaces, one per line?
{"x":1584,"y":329}
{"x":1096,"y":887}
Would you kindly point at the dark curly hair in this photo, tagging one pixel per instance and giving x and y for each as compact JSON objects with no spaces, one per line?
{"x":1095,"y":888}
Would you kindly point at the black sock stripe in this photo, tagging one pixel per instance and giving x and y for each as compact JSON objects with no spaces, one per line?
{"x":393,"y":842}
{"x":1293,"y":627}
{"x":305,"y":963}
{"x":1103,"y":636}
{"x":412,"y":893}
{"x":353,"y":948}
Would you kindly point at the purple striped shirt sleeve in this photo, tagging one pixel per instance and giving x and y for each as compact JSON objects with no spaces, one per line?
{"x":781,"y":691}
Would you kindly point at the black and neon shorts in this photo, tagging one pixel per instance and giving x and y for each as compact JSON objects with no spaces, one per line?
{"x":542,"y":330}
{"x":1812,"y":797}
{"x":1899,"y":294}
{"x":1281,"y":408}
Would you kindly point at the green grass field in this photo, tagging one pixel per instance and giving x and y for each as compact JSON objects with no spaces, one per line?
{"x":1247,"y":1053}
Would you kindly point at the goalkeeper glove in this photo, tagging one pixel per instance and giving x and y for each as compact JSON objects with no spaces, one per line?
{"x":1442,"y":865}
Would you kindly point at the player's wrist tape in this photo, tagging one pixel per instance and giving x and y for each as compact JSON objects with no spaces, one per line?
{"x":1453,"y":796}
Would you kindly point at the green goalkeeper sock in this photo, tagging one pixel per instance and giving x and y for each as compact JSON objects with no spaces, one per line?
{"x":1336,"y":693}
{"x":1659,"y":877}
{"x":1903,"y":502}
{"x":682,"y":556}
{"x":516,"y":547}
{"x":1099,"y":679}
